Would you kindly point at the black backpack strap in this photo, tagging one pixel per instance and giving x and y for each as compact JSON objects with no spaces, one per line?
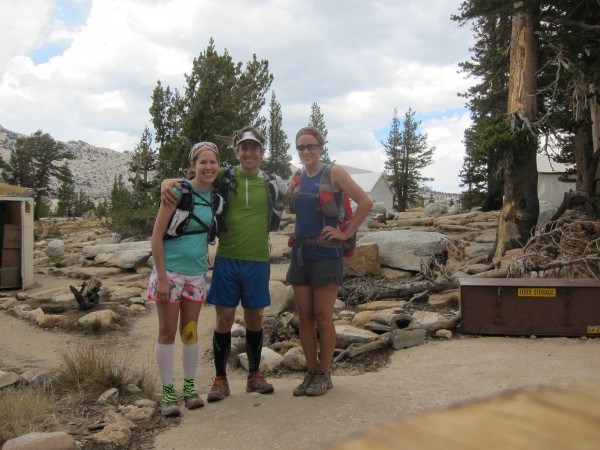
{"x":205,"y":227}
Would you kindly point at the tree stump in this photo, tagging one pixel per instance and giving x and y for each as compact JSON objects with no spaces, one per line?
{"x":89,"y":294}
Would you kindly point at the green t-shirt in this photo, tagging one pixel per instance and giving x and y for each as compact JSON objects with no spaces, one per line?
{"x":247,"y":237}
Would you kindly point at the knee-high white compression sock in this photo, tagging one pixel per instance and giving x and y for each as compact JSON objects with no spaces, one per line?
{"x":165,"y":354}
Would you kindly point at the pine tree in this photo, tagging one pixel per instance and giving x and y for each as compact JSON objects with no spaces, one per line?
{"x":317,"y":120}
{"x":142,"y":165}
{"x":82,"y":204}
{"x":407,"y":154}
{"x":278,"y":159}
{"x":33,"y":163}
{"x":393,"y":166}
{"x":65,"y":193}
{"x":481,"y":173}
{"x":220,"y":97}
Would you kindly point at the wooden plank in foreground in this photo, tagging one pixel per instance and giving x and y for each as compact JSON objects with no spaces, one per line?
{"x":545,"y":418}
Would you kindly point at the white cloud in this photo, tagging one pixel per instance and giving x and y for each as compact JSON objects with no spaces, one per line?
{"x":358,"y":60}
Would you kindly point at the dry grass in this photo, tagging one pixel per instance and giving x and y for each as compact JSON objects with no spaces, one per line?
{"x":93,"y":370}
{"x":84,"y":374}
{"x":25,"y":410}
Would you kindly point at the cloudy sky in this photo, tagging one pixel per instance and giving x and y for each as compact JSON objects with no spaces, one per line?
{"x":85,"y":69}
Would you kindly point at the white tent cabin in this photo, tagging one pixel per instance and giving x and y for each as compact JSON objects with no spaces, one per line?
{"x":550,"y":188}
{"x":375,"y":184}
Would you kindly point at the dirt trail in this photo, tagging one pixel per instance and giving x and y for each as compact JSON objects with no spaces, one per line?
{"x":424,"y":378}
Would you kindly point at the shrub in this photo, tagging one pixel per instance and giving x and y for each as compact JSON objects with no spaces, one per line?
{"x":26,"y":410}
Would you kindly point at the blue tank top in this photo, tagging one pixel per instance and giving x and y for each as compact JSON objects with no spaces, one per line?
{"x":310,"y":221}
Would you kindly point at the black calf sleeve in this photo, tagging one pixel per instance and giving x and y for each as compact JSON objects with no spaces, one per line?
{"x":221,"y":349}
{"x":254,"y":349}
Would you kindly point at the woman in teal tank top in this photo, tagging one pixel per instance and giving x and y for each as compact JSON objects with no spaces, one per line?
{"x":178,"y":280}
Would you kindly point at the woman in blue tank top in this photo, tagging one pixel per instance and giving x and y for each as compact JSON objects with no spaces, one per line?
{"x":316,"y":270}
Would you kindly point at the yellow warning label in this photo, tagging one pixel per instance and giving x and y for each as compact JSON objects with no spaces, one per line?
{"x":536,"y":292}
{"x":593,"y":329}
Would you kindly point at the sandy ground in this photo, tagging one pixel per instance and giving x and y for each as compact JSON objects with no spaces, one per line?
{"x":420,"y":379}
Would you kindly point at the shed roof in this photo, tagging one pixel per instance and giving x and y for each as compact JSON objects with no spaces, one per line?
{"x":7,"y":190}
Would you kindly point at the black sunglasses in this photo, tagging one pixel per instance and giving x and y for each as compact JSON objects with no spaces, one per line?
{"x":309,"y":147}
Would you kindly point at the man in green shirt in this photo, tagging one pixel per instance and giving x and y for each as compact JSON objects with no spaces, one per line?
{"x":242,"y":269}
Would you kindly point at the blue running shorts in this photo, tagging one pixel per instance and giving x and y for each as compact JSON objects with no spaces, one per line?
{"x":236,"y":279}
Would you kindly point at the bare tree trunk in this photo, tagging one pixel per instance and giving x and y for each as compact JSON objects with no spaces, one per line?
{"x":521,"y":207}
{"x":583,"y":160}
{"x":595,"y":169}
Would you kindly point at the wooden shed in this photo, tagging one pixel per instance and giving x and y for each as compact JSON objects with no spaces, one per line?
{"x":16,"y":228}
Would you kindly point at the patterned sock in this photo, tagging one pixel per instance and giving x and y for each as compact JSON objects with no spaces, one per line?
{"x":254,"y":349}
{"x":168,"y":393}
{"x":189,"y":389}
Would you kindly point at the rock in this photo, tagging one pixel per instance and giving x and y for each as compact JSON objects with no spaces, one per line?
{"x":52,"y":320}
{"x":408,"y":338}
{"x":114,"y":433}
{"x":55,"y":247}
{"x":136,"y":413}
{"x":436,"y":208}
{"x":346,"y":335}
{"x":41,"y":379}
{"x":382,"y":304}
{"x":361,"y":318}
{"x":110,"y":396}
{"x":9,"y":303}
{"x":91,"y":251}
{"x":282,"y":299}
{"x":446,"y":298}
{"x":132,"y":389}
{"x":119,"y":294}
{"x":58,"y":440}
{"x":412,"y":222}
{"x":24,"y":312}
{"x":446,"y":334}
{"x":70,"y":261}
{"x":237,"y":330}
{"x":26,"y":377}
{"x":427,"y":318}
{"x":129,"y":259}
{"x":269,"y":360}
{"x":294,"y":359}
{"x":8,"y":379}
{"x":145,"y":403}
{"x":365,"y":261}
{"x":339,"y":304}
{"x":104,"y":318}
{"x":405,"y":249}
{"x":345,"y":314}
{"x":378,"y":208}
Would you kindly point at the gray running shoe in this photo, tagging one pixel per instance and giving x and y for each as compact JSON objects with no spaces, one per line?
{"x":169,"y":409}
{"x":193,"y":401}
{"x":301,"y":388}
{"x":319,"y":384}
{"x":257,"y":383}
{"x":219,"y":389}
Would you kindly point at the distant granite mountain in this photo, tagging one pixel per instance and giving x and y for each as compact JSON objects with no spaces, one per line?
{"x":94,"y":168}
